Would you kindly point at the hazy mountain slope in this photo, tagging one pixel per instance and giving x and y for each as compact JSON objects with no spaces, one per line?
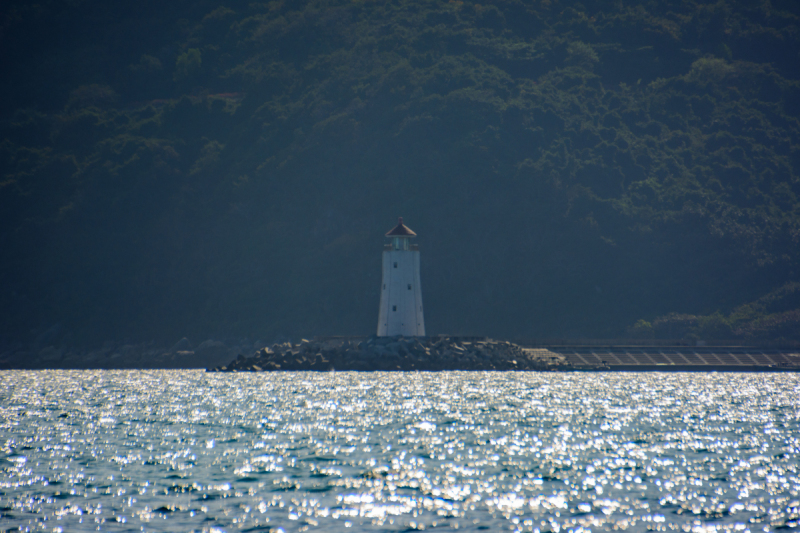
{"x":570,"y":168}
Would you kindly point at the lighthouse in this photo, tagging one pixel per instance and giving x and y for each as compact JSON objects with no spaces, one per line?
{"x":401,"y":294}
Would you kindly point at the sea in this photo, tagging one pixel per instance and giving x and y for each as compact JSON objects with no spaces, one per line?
{"x":398,"y":451}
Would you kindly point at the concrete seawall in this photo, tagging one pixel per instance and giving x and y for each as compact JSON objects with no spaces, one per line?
{"x":679,"y":358}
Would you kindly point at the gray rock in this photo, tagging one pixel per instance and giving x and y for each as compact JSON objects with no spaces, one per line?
{"x":182,"y":345}
{"x":50,"y":356}
{"x":211,"y":353}
{"x":396,"y":353}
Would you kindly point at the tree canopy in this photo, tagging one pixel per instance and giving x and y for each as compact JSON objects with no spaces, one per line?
{"x":573,"y":169}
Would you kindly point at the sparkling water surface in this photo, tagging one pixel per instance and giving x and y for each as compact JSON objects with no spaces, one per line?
{"x":516,"y":451}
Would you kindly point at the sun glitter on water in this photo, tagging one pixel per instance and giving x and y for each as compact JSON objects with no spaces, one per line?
{"x":191,"y":451}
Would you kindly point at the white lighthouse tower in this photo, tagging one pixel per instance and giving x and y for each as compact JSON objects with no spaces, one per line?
{"x":401,"y":294}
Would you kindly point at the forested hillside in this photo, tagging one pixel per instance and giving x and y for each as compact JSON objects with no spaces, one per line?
{"x":573,"y":169}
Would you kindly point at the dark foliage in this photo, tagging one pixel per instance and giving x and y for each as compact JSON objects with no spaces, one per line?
{"x":187,"y":168}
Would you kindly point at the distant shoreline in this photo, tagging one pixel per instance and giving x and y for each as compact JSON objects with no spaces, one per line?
{"x":435,"y":353}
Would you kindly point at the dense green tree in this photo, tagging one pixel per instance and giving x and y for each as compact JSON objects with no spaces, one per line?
{"x":578,"y":169}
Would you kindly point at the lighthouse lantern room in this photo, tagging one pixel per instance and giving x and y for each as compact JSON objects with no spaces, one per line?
{"x":401,"y":295}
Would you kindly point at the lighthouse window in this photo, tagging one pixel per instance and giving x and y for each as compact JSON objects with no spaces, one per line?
{"x":395,"y":264}
{"x":394,"y":308}
{"x":409,"y":286}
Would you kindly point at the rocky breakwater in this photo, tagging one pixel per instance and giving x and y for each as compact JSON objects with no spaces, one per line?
{"x":397,"y":353}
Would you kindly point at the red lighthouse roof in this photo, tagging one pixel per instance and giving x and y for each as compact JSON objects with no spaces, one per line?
{"x":401,"y":230}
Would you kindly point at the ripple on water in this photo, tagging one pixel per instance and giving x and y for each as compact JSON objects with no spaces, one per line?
{"x":190,"y":451}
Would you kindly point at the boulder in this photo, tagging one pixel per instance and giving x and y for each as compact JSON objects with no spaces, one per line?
{"x":182,"y":345}
{"x":211,"y":353}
